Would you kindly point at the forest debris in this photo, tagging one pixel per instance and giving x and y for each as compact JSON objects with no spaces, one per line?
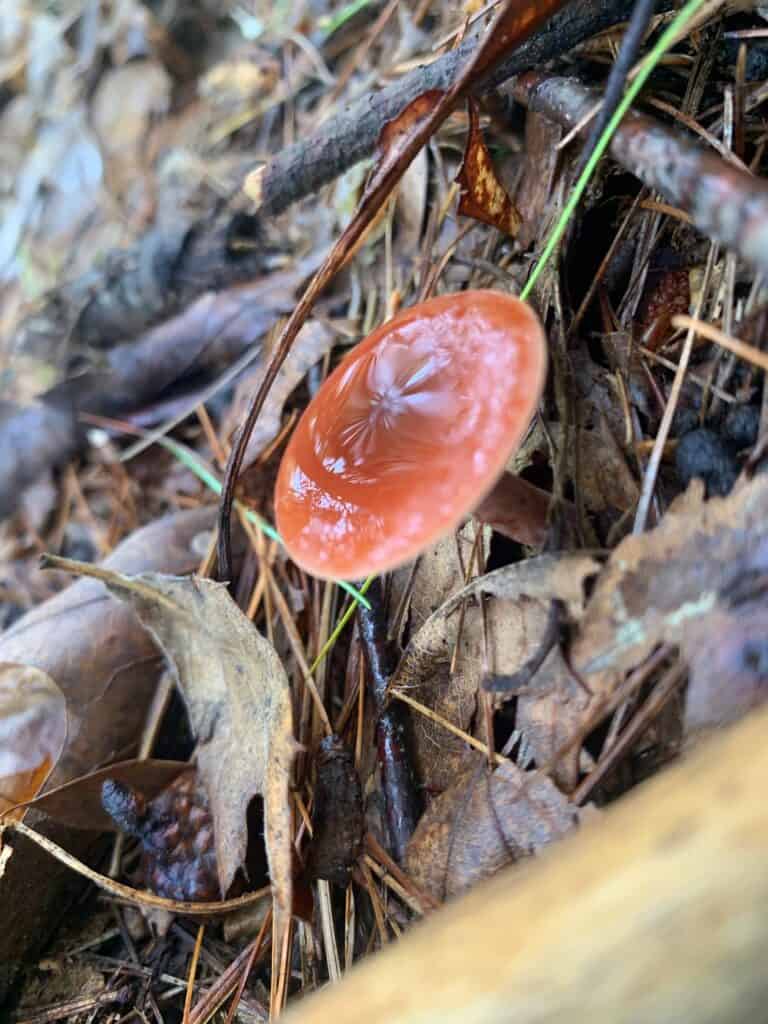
{"x":540,"y":158}
{"x":727,"y":204}
{"x":605,"y":482}
{"x":211,"y":333}
{"x":78,"y":803}
{"x":127,"y":101}
{"x":114,"y":298}
{"x":695,"y":582}
{"x":352,"y":135}
{"x":654,"y":912}
{"x":238,"y":698}
{"x":107,"y":668}
{"x":337,"y":814}
{"x":175,"y":832}
{"x":440,"y":570}
{"x":516,"y":620}
{"x":483,"y":196}
{"x":33,"y":729}
{"x":401,"y":798}
{"x":509,"y":27}
{"x":411,"y":205}
{"x":483,"y":822}
{"x":313,"y":342}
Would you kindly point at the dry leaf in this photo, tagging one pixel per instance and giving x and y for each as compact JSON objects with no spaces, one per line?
{"x":482,"y":823}
{"x":540,"y":156}
{"x":33,"y":729}
{"x":107,"y":668}
{"x":397,"y":133}
{"x":411,"y":204}
{"x":696,"y":582}
{"x":438,"y":574}
{"x":482,"y":194}
{"x":516,"y":621}
{"x":239,"y":705}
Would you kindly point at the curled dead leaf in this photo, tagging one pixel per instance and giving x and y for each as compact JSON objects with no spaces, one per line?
{"x":483,"y":196}
{"x":696,"y":582}
{"x":443,"y":665}
{"x":107,"y":667}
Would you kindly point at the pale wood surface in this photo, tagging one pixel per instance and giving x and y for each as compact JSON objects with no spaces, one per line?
{"x":657,"y":912}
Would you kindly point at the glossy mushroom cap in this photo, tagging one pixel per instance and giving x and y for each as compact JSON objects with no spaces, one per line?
{"x":409,"y":433}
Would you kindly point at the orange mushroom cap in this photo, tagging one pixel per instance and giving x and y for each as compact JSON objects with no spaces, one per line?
{"x":409,"y":433}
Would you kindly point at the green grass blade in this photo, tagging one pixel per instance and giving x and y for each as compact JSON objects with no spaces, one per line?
{"x":338,"y":629}
{"x":329,"y":25}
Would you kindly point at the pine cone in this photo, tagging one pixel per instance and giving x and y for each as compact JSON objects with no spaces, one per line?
{"x":175,"y":831}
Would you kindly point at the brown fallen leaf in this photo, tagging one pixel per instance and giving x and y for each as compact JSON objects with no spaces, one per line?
{"x":540,"y":157}
{"x":238,"y":698}
{"x":439,"y":572}
{"x":483,"y":822}
{"x":33,"y":730}
{"x":483,"y":196}
{"x":696,"y":582}
{"x":107,"y":667}
{"x":517,"y":607}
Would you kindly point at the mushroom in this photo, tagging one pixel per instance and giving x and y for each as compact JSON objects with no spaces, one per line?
{"x":409,"y":435}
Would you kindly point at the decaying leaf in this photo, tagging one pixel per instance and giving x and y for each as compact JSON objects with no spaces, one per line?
{"x":483,"y":822}
{"x":396,"y":134}
{"x":239,"y":704}
{"x":483,"y":196}
{"x":411,"y":204}
{"x":516,"y":608}
{"x":33,"y":729}
{"x":440,"y":571}
{"x":696,"y":582}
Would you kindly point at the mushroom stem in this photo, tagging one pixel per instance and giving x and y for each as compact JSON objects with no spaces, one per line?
{"x":516,"y":509}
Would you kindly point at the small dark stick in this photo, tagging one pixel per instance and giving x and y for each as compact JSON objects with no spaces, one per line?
{"x":400,"y":799}
{"x":642,"y":13}
{"x":337,"y":814}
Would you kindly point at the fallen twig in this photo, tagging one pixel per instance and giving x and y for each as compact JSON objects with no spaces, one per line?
{"x":402,"y":809}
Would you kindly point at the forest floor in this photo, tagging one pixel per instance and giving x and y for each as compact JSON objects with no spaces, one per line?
{"x":173,"y":178}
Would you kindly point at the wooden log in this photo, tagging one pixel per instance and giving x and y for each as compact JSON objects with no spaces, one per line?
{"x":654,"y":912}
